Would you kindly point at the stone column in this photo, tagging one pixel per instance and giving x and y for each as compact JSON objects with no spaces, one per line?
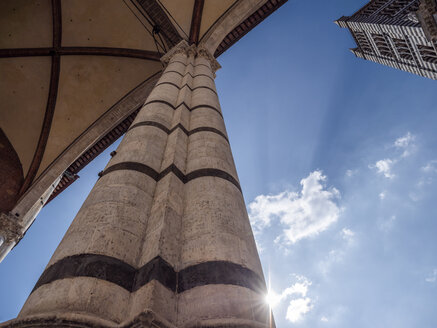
{"x":163,"y":239}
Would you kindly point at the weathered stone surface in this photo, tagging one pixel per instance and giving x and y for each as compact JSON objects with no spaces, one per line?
{"x":10,"y":229}
{"x":207,"y":117}
{"x":80,"y":294}
{"x":212,"y":302}
{"x":157,"y":112}
{"x":163,"y":239}
{"x":210,"y":150}
{"x":156,"y":298}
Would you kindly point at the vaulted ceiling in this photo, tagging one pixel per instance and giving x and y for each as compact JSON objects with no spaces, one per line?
{"x":64,"y":64}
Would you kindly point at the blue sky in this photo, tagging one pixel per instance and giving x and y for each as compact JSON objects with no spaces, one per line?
{"x":337,"y":158}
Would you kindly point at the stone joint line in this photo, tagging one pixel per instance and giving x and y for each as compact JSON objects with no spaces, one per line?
{"x":188,"y":73}
{"x":179,"y":126}
{"x":126,"y":276}
{"x":183,"y":103}
{"x":178,"y":61}
{"x":186,"y":85}
{"x":142,"y":168}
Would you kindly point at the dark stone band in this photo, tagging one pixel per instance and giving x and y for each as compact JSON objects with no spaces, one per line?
{"x":175,"y":170}
{"x":218,"y":272}
{"x":151,"y":123}
{"x":124,"y":275}
{"x":147,"y":170}
{"x":133,"y":166}
{"x":156,"y":269}
{"x":208,"y":129}
{"x":205,"y":106}
{"x":183,"y":103}
{"x":90,"y":265}
{"x":179,"y":126}
{"x":212,"y":173}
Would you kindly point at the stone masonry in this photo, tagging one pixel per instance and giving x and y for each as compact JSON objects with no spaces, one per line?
{"x":163,"y":239}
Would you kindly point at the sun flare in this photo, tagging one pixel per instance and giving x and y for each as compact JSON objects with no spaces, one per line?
{"x":272,"y":299}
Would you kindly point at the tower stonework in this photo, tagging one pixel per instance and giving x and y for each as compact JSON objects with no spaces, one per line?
{"x":398,"y":33}
{"x":163,"y":239}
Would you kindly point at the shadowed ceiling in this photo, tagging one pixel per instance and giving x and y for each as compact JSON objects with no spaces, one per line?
{"x":65,"y":63}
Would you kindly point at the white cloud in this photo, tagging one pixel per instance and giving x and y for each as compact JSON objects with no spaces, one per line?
{"x":299,"y":303}
{"x":347,"y":232}
{"x":348,"y":235}
{"x":432,"y":278}
{"x":324,"y":319}
{"x":299,"y":288}
{"x":382,"y":195}
{"x":298,"y":308}
{"x":384,"y":166}
{"x":304,"y":214}
{"x":430,"y":167}
{"x":406,"y":143}
{"x":350,"y":173}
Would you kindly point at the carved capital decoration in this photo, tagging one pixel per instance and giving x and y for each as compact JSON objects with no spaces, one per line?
{"x":191,"y":50}
{"x":180,"y":48}
{"x":202,"y":52}
{"x":10,"y":229}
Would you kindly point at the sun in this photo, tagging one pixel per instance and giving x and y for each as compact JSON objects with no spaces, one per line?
{"x":272,"y":299}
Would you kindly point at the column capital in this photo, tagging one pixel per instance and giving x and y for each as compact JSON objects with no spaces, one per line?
{"x":191,"y":50}
{"x":203,"y":52}
{"x":10,"y":229}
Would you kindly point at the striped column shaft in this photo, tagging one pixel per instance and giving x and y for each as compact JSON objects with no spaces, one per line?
{"x":216,"y":235}
{"x":164,"y":232}
{"x":94,"y":268}
{"x":156,"y":289}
